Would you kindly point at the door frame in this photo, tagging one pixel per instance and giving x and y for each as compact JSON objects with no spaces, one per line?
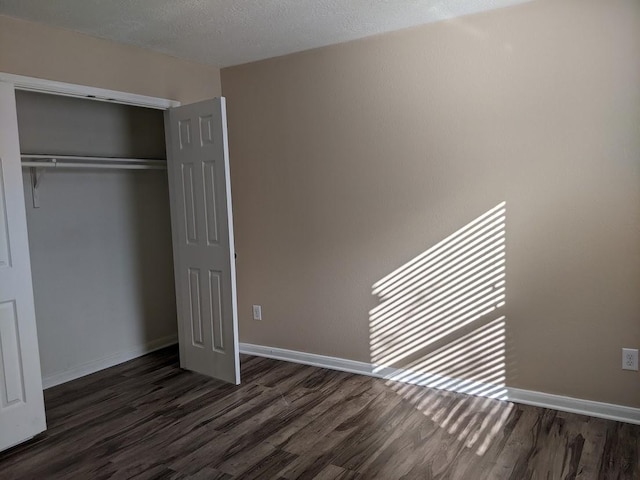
{"x":53,"y":87}
{"x":42,"y":85}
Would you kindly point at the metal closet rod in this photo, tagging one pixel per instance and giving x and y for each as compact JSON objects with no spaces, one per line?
{"x":68,"y":161}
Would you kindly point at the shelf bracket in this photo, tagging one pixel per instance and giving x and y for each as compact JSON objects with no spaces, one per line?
{"x":36,"y":179}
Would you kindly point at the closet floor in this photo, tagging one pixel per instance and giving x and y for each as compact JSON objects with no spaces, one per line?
{"x":147,"y":419}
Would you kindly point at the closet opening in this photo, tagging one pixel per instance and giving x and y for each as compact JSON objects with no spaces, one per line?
{"x":99,"y":231}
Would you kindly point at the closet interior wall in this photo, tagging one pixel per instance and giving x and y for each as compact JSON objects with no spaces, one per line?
{"x":100,"y":241}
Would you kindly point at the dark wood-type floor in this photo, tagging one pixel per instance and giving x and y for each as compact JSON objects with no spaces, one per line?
{"x":147,"y":419}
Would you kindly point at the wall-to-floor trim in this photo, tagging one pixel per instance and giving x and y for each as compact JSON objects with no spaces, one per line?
{"x":105,"y":362}
{"x":334,"y":363}
{"x":608,"y":411}
{"x":539,"y":399}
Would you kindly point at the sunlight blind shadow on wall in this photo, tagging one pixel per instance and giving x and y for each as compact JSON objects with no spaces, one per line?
{"x":439,"y":323}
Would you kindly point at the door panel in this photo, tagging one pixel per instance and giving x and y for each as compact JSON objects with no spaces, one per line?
{"x":4,"y":228}
{"x":11,"y":374}
{"x":21,"y":399}
{"x":202,"y":224}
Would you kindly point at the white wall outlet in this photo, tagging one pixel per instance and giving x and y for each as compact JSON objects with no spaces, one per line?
{"x":257,"y":315}
{"x":630,"y":359}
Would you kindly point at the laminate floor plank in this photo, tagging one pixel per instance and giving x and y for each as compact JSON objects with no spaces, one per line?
{"x":300,"y":435}
{"x":594,"y":432}
{"x":515,"y":449}
{"x":204,"y":474}
{"x":621,"y":452}
{"x":147,"y":419}
{"x":331,"y":472}
{"x":342,"y":436}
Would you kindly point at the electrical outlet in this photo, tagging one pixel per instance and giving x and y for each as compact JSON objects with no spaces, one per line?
{"x":257,"y":314}
{"x":630,"y":359}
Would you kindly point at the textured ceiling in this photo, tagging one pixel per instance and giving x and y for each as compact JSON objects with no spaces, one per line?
{"x":230,"y":32}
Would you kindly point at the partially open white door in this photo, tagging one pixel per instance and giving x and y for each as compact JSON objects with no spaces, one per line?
{"x":202,"y":224}
{"x":21,"y":400}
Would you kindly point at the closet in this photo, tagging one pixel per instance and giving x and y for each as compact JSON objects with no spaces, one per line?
{"x":122,"y":242}
{"x":99,"y":239}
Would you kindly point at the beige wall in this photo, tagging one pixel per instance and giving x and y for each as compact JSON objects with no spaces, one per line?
{"x":349,"y":161}
{"x":36,"y":50}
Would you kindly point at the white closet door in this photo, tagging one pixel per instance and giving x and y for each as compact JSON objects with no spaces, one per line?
{"x":21,"y":400}
{"x":202,"y":225}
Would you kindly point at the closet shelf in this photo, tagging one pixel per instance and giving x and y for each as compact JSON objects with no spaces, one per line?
{"x":67,"y":161}
{"x":39,"y":162}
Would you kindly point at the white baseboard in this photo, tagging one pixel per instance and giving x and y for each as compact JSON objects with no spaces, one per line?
{"x":608,"y":411}
{"x":333,"y":363}
{"x":539,"y":399}
{"x":106,"y":362}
